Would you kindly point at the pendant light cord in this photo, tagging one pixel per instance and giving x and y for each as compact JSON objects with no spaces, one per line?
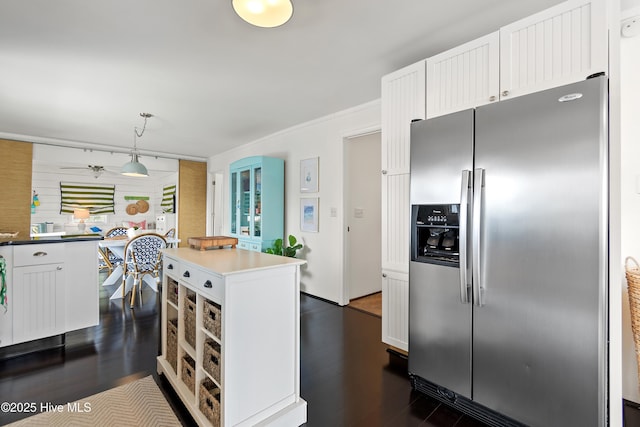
{"x":135,"y":130}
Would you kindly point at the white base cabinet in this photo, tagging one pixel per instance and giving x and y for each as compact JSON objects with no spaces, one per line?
{"x":52,"y":288}
{"x":395,"y":309}
{"x":230,"y":336}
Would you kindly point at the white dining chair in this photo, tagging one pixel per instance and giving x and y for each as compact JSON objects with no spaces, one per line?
{"x":170,"y":235}
{"x":142,"y":256}
{"x":107,"y":259}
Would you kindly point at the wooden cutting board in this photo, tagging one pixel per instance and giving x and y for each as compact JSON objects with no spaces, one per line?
{"x":211,"y":242}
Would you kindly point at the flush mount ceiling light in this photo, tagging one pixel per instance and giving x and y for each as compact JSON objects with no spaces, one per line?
{"x":264,"y":13}
{"x":134,"y":167}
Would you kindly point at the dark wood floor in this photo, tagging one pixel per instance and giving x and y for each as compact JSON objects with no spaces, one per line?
{"x":347,"y":376}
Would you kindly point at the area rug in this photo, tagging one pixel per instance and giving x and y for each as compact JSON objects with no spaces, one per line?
{"x":139,"y":403}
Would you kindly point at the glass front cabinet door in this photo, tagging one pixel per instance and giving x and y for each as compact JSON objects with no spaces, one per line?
{"x":257,"y":202}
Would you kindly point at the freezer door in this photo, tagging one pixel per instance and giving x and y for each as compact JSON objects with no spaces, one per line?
{"x":439,"y":322}
{"x":439,"y":327}
{"x":441,"y":148}
{"x":539,"y":343}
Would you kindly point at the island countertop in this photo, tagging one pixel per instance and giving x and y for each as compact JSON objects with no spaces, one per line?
{"x":230,"y":261}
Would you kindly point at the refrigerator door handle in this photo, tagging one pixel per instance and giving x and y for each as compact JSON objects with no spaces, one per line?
{"x":462,"y":239}
{"x":478,"y":188}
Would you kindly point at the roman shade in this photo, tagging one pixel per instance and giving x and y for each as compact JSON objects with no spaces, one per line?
{"x":168,"y":195}
{"x":96,"y":198}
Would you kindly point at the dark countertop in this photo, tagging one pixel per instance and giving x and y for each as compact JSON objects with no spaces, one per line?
{"x":60,"y":239}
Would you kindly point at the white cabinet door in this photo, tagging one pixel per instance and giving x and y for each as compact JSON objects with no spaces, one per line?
{"x":464,"y":77}
{"x":82,"y":299}
{"x":561,"y":45}
{"x":403,"y":100}
{"x":395,"y":220}
{"x":395,"y":309}
{"x":38,"y":301}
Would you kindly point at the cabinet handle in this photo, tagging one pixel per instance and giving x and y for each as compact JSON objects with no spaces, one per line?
{"x":58,"y":268}
{"x":208,"y":284}
{"x":505,"y":93}
{"x":492,"y":98}
{"x":384,"y":275}
{"x":186,"y":274}
{"x":170,"y":267}
{"x":384,"y":172}
{"x":40,"y":253}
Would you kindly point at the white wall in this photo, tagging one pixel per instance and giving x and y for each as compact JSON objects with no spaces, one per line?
{"x":48,"y":162}
{"x":323,"y":138}
{"x":630,"y":189}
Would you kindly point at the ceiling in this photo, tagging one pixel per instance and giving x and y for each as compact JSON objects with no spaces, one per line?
{"x":78,"y":71}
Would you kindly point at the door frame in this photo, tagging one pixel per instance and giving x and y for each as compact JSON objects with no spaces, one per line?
{"x":346,"y":136}
{"x":215,"y":205}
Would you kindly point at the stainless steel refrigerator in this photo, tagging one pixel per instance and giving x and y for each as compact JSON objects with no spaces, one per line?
{"x":508,"y":278}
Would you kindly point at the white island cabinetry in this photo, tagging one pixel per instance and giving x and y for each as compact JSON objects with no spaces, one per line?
{"x":231,"y":336}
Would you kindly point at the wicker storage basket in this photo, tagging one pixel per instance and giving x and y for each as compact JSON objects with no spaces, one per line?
{"x":172,"y":292}
{"x":211,"y":318}
{"x":211,"y":359}
{"x":632,"y":272}
{"x":189,"y":373}
{"x":172,"y":344}
{"x":210,"y":401}
{"x":190,"y":320}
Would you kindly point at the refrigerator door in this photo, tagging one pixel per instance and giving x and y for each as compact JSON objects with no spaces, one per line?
{"x":539,"y":345}
{"x":439,"y":323}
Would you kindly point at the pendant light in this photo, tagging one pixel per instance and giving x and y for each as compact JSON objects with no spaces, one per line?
{"x":134,"y":167}
{"x":264,"y":13}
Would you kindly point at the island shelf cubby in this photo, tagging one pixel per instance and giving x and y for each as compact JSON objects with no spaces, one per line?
{"x":230,"y":341}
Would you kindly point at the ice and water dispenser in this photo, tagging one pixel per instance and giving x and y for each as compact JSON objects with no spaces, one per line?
{"x":435,"y":234}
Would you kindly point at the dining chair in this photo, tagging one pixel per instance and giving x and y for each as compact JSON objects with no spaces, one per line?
{"x":170,"y":235}
{"x":107,"y":259}
{"x":142,"y":256}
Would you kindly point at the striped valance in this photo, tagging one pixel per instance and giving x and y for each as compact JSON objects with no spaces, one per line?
{"x":97,"y":198}
{"x":168,"y":196}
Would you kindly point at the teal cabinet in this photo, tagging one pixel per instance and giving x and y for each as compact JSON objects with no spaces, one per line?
{"x":257,"y":201}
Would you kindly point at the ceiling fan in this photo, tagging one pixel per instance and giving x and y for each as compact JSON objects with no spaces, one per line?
{"x":94,"y":169}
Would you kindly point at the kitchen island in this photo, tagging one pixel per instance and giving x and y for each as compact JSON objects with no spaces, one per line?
{"x":51,"y":289}
{"x":231,"y":336}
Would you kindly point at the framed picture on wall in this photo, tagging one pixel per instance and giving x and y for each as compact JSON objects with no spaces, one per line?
{"x":309,"y":175}
{"x":309,"y":214}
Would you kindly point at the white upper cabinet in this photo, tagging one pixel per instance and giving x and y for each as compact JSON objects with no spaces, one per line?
{"x":403,"y":100}
{"x":464,"y":77}
{"x":561,"y":45}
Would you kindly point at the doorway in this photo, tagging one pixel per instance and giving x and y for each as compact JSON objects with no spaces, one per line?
{"x":363,"y":217}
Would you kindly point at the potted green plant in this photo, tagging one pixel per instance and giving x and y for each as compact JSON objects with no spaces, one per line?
{"x":278,"y":247}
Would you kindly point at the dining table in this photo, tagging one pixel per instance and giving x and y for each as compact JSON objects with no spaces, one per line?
{"x":117,"y":246}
